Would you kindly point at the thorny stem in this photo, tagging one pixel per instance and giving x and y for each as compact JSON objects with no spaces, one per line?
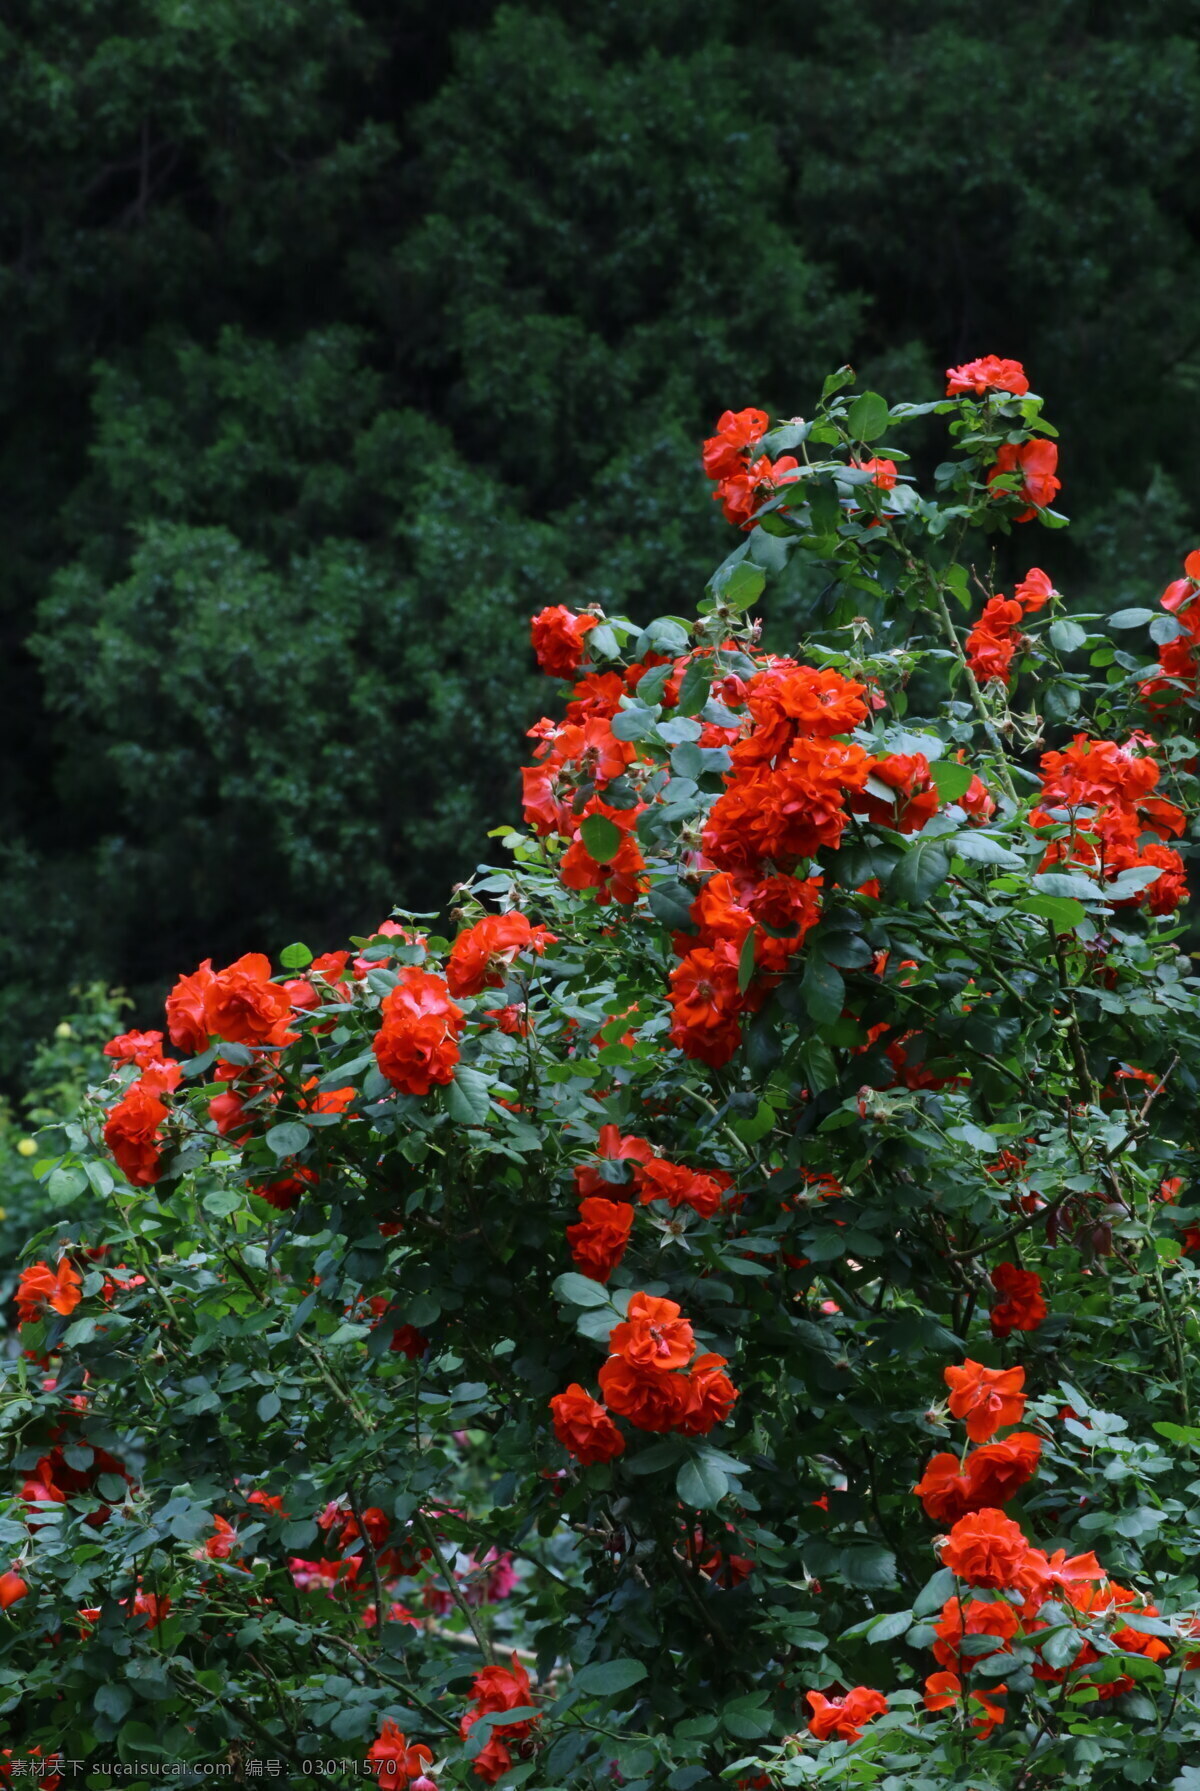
{"x":356,"y":1506}
{"x":427,"y":1530}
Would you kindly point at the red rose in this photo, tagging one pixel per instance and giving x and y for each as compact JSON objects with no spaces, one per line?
{"x":409,"y":1342}
{"x":395,"y":1763}
{"x":1022,"y":1308}
{"x":915,"y":800}
{"x":614,"y":1149}
{"x":131,"y":1133}
{"x":140,"y":1048}
{"x":618,"y":878}
{"x":480,"y":955}
{"x":1036,"y":460}
{"x":42,"y":1286}
{"x":649,"y":1398}
{"x":558,"y":639}
{"x":287,"y":1191}
{"x":243,"y":1005}
{"x":495,"y":1690}
{"x":416,"y":1046}
{"x":989,"y":1476}
{"x":711,"y":1396}
{"x":660,"y":1180}
{"x":1034,"y":591}
{"x":988,"y":374}
{"x":844,"y":1718}
{"x":185,"y":1010}
{"x":653,"y":1335}
{"x":705,"y":1002}
{"x":12,"y":1587}
{"x":598,"y":1241}
{"x":944,"y":1689}
{"x":584,"y":1428}
{"x":987,"y":1398}
{"x":986,"y":1549}
{"x":738,"y":434}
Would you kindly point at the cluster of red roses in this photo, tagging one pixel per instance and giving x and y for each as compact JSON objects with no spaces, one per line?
{"x":745,"y":479}
{"x":42,"y":1768}
{"x":994,"y":639}
{"x":1178,"y":668}
{"x":989,"y":1553}
{"x":1099,"y":798}
{"x":1036,"y":461}
{"x":495,"y":1691}
{"x":793,"y":782}
{"x":577,"y":759}
{"x":651,"y":1379}
{"x":416,"y":1046}
{"x":598,"y":1241}
{"x":1022,"y":1305}
{"x":394,"y":1764}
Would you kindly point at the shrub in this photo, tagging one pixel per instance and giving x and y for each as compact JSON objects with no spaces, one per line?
{"x":726,"y":1313}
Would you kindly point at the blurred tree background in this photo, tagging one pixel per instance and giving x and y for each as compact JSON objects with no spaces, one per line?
{"x":338,"y":335}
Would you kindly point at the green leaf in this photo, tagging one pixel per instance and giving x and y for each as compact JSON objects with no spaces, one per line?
{"x":700,"y":1482}
{"x":687,"y":760}
{"x":602,"y":643}
{"x":845,"y":376}
{"x":82,"y":1331}
{"x":697,"y":679}
{"x":934,"y":1593}
{"x":579,"y":1290}
{"x":601,"y":838}
{"x":101,"y":1178}
{"x":1067,"y":637}
{"x":823,"y":989}
{"x":223,"y":1201}
{"x":1066,"y":883}
{"x":467,"y":1098}
{"x":637,"y":722}
{"x":269,"y":1405}
{"x":746,"y":962}
{"x":113,"y":1701}
{"x":65,"y":1185}
{"x":751,"y":1130}
{"x":1063,"y":912}
{"x":745,"y":585}
{"x":604,"y":1678}
{"x":868,"y":417}
{"x":952,"y":779}
{"x":883,"y":1628}
{"x":984,"y":848}
{"x":922,"y":870}
{"x":671,"y":903}
{"x":1178,"y":1433}
{"x":295,"y":957}
{"x":288,"y":1139}
{"x":1131,"y":618}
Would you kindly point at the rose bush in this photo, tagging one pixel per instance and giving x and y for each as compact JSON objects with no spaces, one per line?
{"x":725,"y":1312}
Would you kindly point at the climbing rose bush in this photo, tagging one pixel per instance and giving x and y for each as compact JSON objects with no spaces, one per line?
{"x":721,"y":1311}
